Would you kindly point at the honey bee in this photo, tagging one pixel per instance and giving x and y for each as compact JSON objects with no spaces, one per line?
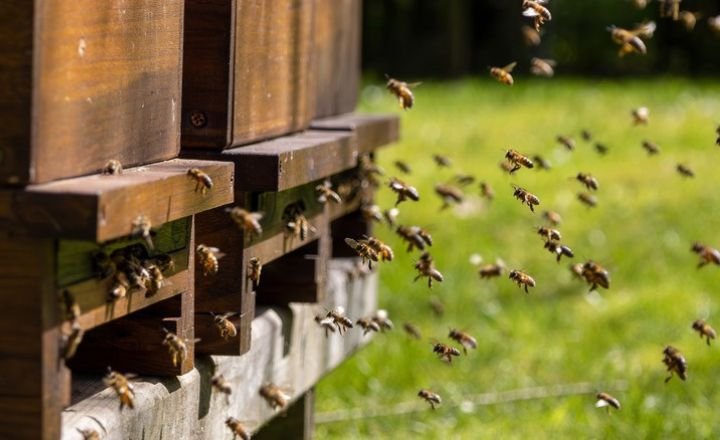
{"x":549,"y":234}
{"x":543,"y":164}
{"x":381,"y":318}
{"x":517,"y":160}
{"x":530,"y":36}
{"x":704,"y":329}
{"x":463,"y":338}
{"x":669,"y":8}
{"x":640,"y":115}
{"x":606,"y":400}
{"x":297,"y":226}
{"x":577,"y":270}
{"x":390,"y":216}
{"x":368,"y":325}
{"x":689,"y":19}
{"x":449,"y":194}
{"x":237,"y":428}
{"x":412,"y":330}
{"x":403,"y":167}
{"x":156,"y":281}
{"x":566,"y":141}
{"x":141,"y":227}
{"x":226,"y":327}
{"x":122,"y":387}
{"x":714,"y":25}
{"x":326,"y":193}
{"x":486,"y":191}
{"x":403,"y":91}
{"x":536,"y":10}
{"x":586,"y":135}
{"x":222,"y":386}
{"x":364,"y":250}
{"x":203,"y":182}
{"x":645,"y":30}
{"x":72,"y":340}
{"x":587,"y":199}
{"x":675,"y":363}
{"x":601,"y":148}
{"x":684,"y":170}
{"x":707,"y":254}
{"x":247,"y":221}
{"x":371,"y":213}
{"x":525,"y":197}
{"x":120,"y":286}
{"x":559,"y":250}
{"x":430,"y":397}
{"x":403,"y":191}
{"x":274,"y":396}
{"x":464,"y":179}
{"x":177,"y":347}
{"x":589,"y":181}
{"x":490,"y":270}
{"x":426,"y":268}
{"x":342,"y":322}
{"x":542,"y":67}
{"x":628,"y":41}
{"x":437,"y":307}
{"x":208,"y":258}
{"x":651,"y":147}
{"x":502,"y":74}
{"x":505,"y":166}
{"x":522,"y":279}
{"x":112,"y":168}
{"x":595,"y":275}
{"x":445,"y":352}
{"x":326,"y":324}
{"x":254,"y":270}
{"x":89,"y":434}
{"x":552,"y":217}
{"x":415,"y":236}
{"x":384,"y":252}
{"x":442,"y":161}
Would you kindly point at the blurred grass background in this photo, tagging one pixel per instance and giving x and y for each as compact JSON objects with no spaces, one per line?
{"x":647,"y":218}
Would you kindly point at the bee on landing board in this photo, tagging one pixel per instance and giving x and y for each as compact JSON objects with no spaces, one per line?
{"x":536,"y":10}
{"x":112,"y":168}
{"x":542,"y":67}
{"x":430,"y":397}
{"x":403,"y":191}
{"x":704,"y":329}
{"x":226,"y":327}
{"x":463,"y":338}
{"x":123,"y":388}
{"x":640,"y":115}
{"x":254,"y":271}
{"x":326,"y":193}
{"x":247,"y":221}
{"x":522,"y":279}
{"x":707,"y":254}
{"x":208,"y":259}
{"x":412,"y":330}
{"x":607,"y":401}
{"x":402,"y":91}
{"x":503,"y":74}
{"x":684,"y":170}
{"x":222,"y":386}
{"x":274,"y":396}
{"x":237,"y":428}
{"x":517,"y":160}
{"x":628,"y":41}
{"x":177,"y":347}
{"x":675,"y":363}
{"x":525,"y":197}
{"x":426,"y":269}
{"x":203,"y":182}
{"x":444,"y":351}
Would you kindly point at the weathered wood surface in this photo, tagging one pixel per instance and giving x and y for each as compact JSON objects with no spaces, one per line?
{"x":100,"y":208}
{"x":105,"y":80}
{"x":298,"y":422}
{"x":371,"y":131}
{"x":337,"y":41}
{"x":34,"y":384}
{"x":288,"y":349}
{"x":270,"y":88}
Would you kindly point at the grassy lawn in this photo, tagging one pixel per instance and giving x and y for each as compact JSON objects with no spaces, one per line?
{"x":642,"y":229}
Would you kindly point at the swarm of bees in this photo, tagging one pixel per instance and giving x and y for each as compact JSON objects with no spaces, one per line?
{"x":132,"y":268}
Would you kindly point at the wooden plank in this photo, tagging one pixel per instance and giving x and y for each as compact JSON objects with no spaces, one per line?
{"x":35,"y":383}
{"x":106,"y":85}
{"x":105,"y":207}
{"x":288,"y":161}
{"x":371,"y":131}
{"x":297,"y":422}
{"x":337,"y":29}
{"x":288,"y":349}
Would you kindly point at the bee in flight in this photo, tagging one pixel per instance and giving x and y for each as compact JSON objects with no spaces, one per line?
{"x":559,"y":250}
{"x":177,"y":347}
{"x":587,"y":199}
{"x":517,"y":160}
{"x":402,"y":91}
{"x":219,"y":383}
{"x":415,"y":236}
{"x":589,"y":181}
{"x":684,"y":170}
{"x":522,"y":279}
{"x":430,"y":397}
{"x":274,"y":396}
{"x":675,"y":363}
{"x":403,"y":191}
{"x":526,"y":198}
{"x":503,"y":74}
{"x":364,"y":250}
{"x":707,"y":254}
{"x":208,"y":259}
{"x":203,"y":182}
{"x":542,"y":67}
{"x":607,"y":401}
{"x":601,"y":148}
{"x":530,"y":36}
{"x":536,"y":10}
{"x":640,"y":115}
{"x":247,"y":221}
{"x":704,"y":329}
{"x":629,"y":42}
{"x":486,"y":191}
{"x":566,"y":141}
{"x":412,"y":330}
{"x":651,"y":147}
{"x":463,"y":338}
{"x":449,"y":194}
{"x":552,"y":217}
{"x":382,"y":320}
{"x":549,"y":234}
{"x":595,"y":275}
{"x":123,"y":388}
{"x":403,"y":167}
{"x":543,"y":164}
{"x":689,"y":19}
{"x":226,"y":327}
{"x":442,"y":161}
{"x":426,"y":268}
{"x":669,"y":8}
{"x":445,"y":352}
{"x":237,"y":428}
{"x":325,"y":193}
{"x":368,"y":325}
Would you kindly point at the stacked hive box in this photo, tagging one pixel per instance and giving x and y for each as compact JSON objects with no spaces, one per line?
{"x":260,"y":91}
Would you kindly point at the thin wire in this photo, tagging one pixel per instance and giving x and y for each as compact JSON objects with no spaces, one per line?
{"x":483,"y":399}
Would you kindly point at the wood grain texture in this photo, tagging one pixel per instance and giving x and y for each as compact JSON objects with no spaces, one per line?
{"x":337,"y":41}
{"x":371,"y":130}
{"x":104,"y":207}
{"x":106,"y":85}
{"x":288,"y":349}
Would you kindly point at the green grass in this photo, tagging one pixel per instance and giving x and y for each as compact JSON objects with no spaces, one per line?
{"x":642,"y":230}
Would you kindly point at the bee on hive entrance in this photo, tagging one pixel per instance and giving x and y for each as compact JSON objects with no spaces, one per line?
{"x":177,"y":347}
{"x":112,"y":168}
{"x":123,"y":388}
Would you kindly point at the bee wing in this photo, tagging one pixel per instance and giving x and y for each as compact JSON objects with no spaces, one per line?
{"x":352,"y":243}
{"x":530,"y":12}
{"x":257,"y":215}
{"x":601,"y":403}
{"x":415,"y":84}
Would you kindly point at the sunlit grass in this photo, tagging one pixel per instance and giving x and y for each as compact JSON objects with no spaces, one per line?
{"x":641,"y":231}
